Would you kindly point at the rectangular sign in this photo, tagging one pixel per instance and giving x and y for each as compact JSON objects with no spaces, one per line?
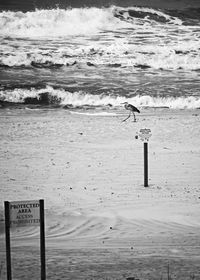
{"x":24,"y":213}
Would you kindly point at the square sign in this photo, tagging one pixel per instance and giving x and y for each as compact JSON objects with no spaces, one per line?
{"x":145,"y":134}
{"x":24,"y":213}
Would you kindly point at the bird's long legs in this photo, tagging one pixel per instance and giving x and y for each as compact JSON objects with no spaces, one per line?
{"x":127,"y":117}
{"x":134,"y":117}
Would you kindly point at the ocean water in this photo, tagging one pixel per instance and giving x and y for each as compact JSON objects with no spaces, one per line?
{"x":87,"y":54}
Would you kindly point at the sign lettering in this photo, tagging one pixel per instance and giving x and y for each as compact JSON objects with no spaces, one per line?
{"x":24,"y":213}
{"x":144,"y":134}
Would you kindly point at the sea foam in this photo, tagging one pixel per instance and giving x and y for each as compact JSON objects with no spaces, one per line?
{"x":57,"y":22}
{"x":77,"y":21}
{"x":171,"y":57}
{"x":81,"y":99}
{"x":123,"y":37}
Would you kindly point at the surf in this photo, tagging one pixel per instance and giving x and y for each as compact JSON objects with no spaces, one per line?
{"x":82,"y":100}
{"x":77,"y":21}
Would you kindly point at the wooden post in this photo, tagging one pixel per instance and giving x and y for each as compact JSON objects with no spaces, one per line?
{"x":7,"y":231}
{"x":145,"y":164}
{"x":42,"y":241}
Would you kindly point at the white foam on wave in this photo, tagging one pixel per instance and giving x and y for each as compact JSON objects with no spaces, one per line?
{"x":183,"y":55}
{"x":76,"y":21}
{"x":168,"y":46}
{"x":80,"y":98}
{"x":163,"y":58}
{"x":57,"y":22}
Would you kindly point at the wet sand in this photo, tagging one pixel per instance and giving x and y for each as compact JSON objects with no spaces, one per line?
{"x":101,"y":223}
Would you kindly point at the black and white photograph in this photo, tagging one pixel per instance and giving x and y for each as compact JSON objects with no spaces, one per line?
{"x":99,"y":139}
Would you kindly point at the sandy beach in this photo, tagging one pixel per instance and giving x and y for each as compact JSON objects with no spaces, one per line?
{"x":101,"y":223}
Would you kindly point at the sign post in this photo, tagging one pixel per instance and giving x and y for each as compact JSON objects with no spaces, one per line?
{"x":145,"y":164}
{"x":25,"y":213}
{"x":7,"y":229}
{"x":144,"y":135}
{"x":42,"y":241}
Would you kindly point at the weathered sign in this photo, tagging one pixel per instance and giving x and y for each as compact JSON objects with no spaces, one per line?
{"x":24,"y":213}
{"x":144,"y":134}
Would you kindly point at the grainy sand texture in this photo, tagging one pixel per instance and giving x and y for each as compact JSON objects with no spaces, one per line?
{"x":100,"y":221}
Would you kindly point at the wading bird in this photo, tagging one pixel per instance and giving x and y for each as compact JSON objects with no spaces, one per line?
{"x":132,"y":109}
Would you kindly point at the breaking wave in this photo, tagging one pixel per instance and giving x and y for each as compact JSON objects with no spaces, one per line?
{"x":166,"y":61}
{"x":63,"y":98}
{"x":57,"y":22}
{"x":184,"y":55}
{"x":78,"y":21}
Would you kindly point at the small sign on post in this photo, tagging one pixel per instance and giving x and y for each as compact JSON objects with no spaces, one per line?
{"x":24,"y":213}
{"x":145,"y":134}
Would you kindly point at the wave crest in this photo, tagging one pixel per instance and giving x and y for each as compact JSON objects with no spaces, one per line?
{"x":56,"y":22}
{"x":77,"y":21}
{"x":80,"y":99}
